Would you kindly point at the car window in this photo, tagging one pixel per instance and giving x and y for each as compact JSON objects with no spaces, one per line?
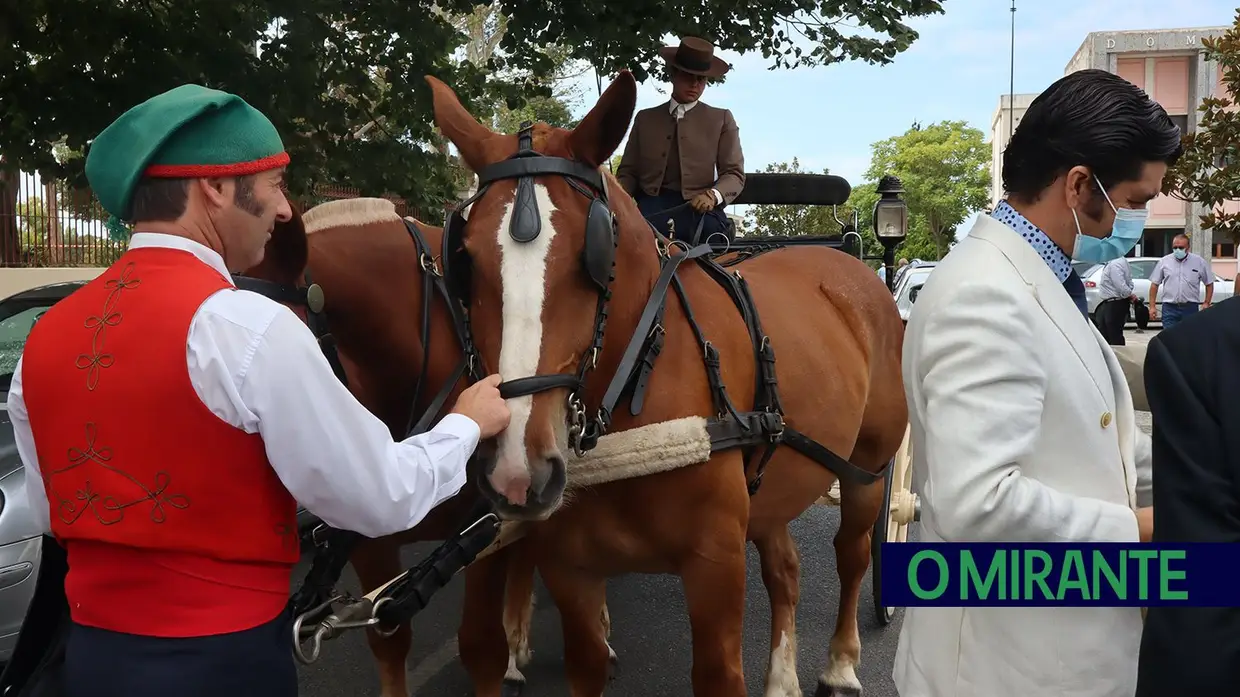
{"x":1084,"y":269}
{"x":1142,"y":269}
{"x":13,"y":332}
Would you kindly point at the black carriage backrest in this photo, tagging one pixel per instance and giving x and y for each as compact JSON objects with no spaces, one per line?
{"x":526,"y":224}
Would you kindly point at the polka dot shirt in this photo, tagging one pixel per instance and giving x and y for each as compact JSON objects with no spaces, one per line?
{"x":1060,"y":263}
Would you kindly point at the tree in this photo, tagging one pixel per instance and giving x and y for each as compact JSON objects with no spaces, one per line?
{"x":342,"y":81}
{"x":945,"y":170}
{"x":1209,"y":170}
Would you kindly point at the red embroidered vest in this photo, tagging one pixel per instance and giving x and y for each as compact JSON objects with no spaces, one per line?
{"x":173,"y":520}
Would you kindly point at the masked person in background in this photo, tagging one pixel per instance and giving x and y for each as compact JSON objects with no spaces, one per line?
{"x":1023,"y":427}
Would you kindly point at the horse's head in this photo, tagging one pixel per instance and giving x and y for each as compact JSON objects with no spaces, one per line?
{"x":534,"y":261}
{"x":286,"y":254}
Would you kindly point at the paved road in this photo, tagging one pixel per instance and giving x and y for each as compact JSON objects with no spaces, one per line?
{"x":650,"y":632}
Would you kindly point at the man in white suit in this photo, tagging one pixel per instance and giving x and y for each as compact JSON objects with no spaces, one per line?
{"x":1023,"y":428}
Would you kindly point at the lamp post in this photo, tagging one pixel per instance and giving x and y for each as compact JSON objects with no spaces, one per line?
{"x":890,"y":222}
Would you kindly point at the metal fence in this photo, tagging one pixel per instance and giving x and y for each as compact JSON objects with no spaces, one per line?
{"x":51,"y":224}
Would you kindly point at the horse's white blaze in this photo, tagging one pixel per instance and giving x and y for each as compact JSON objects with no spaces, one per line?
{"x":781,"y":674}
{"x":523,"y":273}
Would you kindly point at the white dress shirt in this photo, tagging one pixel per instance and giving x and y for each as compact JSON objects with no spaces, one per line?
{"x":257,"y":366}
{"x":1116,"y":280}
{"x":679,"y":110}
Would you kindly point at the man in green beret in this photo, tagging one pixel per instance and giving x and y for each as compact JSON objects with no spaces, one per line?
{"x":170,"y":423}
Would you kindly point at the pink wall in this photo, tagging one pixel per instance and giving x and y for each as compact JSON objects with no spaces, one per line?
{"x":1132,"y":70}
{"x":1171,"y":84}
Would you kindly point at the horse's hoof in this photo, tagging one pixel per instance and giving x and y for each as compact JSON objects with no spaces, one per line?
{"x":512,"y":688}
{"x":825,"y":690}
{"x":613,"y":665}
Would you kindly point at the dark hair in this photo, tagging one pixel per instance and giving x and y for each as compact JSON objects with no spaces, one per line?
{"x":1091,"y":118}
{"x":158,"y":199}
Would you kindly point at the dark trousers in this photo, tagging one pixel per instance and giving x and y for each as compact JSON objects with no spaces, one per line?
{"x":684,"y":218}
{"x":253,"y":663}
{"x":1111,"y":316}
{"x":1172,"y":313}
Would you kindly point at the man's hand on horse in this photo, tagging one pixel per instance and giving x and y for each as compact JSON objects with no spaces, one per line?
{"x":703,"y":202}
{"x":482,"y":403}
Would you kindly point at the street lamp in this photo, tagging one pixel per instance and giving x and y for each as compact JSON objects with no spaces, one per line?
{"x":890,"y":222}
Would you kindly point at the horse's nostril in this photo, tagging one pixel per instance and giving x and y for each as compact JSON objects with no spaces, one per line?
{"x":547,"y":482}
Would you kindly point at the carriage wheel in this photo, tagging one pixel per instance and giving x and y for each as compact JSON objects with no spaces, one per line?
{"x":900,"y":507}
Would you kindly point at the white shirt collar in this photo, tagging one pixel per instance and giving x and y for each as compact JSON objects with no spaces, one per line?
{"x":205,"y":254}
{"x":679,"y":110}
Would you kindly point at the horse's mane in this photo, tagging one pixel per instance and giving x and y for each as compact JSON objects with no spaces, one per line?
{"x":349,"y":212}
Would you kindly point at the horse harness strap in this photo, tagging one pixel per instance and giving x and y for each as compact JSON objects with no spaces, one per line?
{"x":729,"y":428}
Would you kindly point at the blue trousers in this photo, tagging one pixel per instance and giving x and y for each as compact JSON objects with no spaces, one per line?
{"x":1172,"y":313}
{"x":256,"y":662}
{"x":684,"y":218}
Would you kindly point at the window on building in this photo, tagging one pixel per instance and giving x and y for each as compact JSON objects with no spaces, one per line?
{"x":1181,"y":120}
{"x":1225,"y":250}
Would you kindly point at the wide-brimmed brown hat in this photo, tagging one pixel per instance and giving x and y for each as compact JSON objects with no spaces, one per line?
{"x":695,"y":56}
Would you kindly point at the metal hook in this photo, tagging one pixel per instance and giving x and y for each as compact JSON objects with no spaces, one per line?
{"x":836,"y":214}
{"x":860,"y":242}
{"x":315,"y":637}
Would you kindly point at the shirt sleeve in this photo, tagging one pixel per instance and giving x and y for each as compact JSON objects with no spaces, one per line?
{"x":334,"y":456}
{"x":984,"y":384}
{"x":1159,"y":273}
{"x":36,"y":494}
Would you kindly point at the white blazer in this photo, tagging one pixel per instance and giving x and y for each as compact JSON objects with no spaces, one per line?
{"x":1023,"y":430}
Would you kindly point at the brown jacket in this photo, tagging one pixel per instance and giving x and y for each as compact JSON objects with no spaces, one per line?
{"x":709,"y":140}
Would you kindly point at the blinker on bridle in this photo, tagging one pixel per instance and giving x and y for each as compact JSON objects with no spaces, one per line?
{"x":598,"y":260}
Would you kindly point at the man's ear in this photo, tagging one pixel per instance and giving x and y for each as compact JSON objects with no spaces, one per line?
{"x":215,"y":191}
{"x":1078,"y":187}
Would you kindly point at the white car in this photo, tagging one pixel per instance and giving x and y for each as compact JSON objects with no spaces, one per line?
{"x":911,"y":281}
{"x":1141,"y":268}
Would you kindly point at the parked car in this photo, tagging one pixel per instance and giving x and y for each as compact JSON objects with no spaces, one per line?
{"x":1141,"y":268}
{"x":909,"y":285}
{"x":20,"y":541}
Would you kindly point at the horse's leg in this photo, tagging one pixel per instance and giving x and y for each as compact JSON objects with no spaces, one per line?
{"x":518,"y":607}
{"x":481,"y":639}
{"x":581,"y":600}
{"x":376,"y":562}
{"x":714,"y":582}
{"x":613,"y":661}
{"x":781,"y":574}
{"x":859,"y":506}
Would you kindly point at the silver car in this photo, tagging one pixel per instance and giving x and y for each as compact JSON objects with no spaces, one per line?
{"x":1141,"y":267}
{"x":20,"y":541}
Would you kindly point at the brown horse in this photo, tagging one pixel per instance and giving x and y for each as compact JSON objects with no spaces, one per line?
{"x":362,"y":254}
{"x":534,"y":307}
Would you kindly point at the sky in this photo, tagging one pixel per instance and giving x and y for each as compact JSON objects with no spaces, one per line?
{"x":827,"y":117}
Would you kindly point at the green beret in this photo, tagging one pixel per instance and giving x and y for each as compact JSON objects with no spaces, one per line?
{"x":187,"y":132}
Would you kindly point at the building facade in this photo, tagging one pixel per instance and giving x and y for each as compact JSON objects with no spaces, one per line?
{"x":1171,"y":66}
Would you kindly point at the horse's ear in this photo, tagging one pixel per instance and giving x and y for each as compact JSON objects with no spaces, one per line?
{"x":458,"y":125}
{"x":599,"y":134}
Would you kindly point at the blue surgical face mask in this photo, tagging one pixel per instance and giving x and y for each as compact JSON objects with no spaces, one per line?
{"x":1126,"y":232}
{"x":1180,"y":253}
